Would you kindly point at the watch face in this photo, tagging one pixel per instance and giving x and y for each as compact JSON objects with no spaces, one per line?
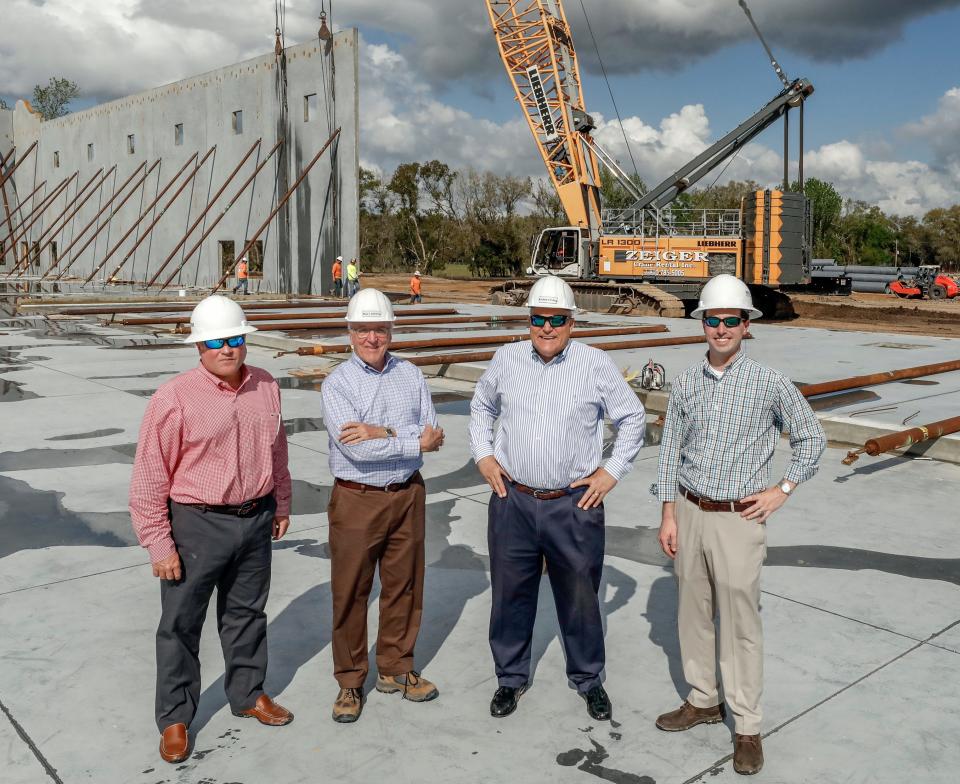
{"x":785,"y":487}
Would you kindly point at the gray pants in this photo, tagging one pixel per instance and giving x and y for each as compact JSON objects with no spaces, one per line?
{"x":231,"y":554}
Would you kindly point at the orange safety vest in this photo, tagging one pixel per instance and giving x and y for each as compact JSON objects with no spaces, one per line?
{"x":415,"y":284}
{"x":336,"y":270}
{"x":242,"y":270}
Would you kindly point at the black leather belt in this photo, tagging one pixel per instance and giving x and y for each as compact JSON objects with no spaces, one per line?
{"x":709,"y":505}
{"x":246,"y":509}
{"x":391,"y":488}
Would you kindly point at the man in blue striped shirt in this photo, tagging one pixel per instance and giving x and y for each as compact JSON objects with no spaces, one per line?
{"x":724,"y":419}
{"x":380,"y":419}
{"x":543,"y":463}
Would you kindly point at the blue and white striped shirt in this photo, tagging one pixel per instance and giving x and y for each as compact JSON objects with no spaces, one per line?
{"x":396,"y":397}
{"x":551,"y":415}
{"x":720,"y":431}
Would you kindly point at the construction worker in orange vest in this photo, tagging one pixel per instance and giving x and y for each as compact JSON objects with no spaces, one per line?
{"x":242,"y":276}
{"x":415,"y":288}
{"x":337,"y":273}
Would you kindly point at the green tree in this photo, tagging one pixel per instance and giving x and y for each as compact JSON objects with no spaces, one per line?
{"x":613,"y":194}
{"x":53,"y":100}
{"x":827,"y":205}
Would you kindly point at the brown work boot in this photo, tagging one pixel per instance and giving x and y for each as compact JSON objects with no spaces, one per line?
{"x":348,"y":705}
{"x":747,"y":754}
{"x":414,"y":688}
{"x":687,"y":716}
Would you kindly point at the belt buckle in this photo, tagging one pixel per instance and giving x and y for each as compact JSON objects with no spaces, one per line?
{"x":246,"y":507}
{"x":395,"y":485}
{"x":541,"y":494}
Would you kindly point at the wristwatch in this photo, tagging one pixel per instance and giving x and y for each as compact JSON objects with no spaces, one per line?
{"x":391,"y":433}
{"x":785,"y":487}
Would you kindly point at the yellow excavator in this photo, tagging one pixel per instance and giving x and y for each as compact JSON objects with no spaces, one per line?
{"x":650,"y":257}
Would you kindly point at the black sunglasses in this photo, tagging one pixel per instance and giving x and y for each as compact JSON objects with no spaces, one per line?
{"x":728,"y":321}
{"x":555,"y":321}
{"x":234,"y":342}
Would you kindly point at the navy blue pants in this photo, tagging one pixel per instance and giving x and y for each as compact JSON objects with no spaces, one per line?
{"x":521,"y":531}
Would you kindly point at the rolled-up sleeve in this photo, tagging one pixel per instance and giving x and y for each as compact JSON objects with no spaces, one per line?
{"x":158,"y":450}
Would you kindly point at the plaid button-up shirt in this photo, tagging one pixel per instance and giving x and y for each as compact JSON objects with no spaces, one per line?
{"x":721,"y":430}
{"x":203,"y":442}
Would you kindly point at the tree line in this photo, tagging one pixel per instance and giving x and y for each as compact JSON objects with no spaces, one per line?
{"x":435,"y":218}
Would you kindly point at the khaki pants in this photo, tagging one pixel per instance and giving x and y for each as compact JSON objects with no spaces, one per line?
{"x":718,"y":564}
{"x":371,"y":528}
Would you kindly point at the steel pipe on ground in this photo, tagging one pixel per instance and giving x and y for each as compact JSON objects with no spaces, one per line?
{"x":176,"y":307}
{"x":481,"y":340}
{"x":838,"y":385}
{"x":904,"y":438}
{"x":483,"y":356}
{"x":334,"y":314}
{"x":404,"y":322}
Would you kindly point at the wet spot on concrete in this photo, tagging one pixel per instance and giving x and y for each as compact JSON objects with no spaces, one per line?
{"x":589,"y":762}
{"x":616,"y":736}
{"x":303,"y":425}
{"x":66,"y":458}
{"x":13,"y":392}
{"x":199,"y":755}
{"x":309,"y":498}
{"x":110,"y":431}
{"x":33,"y":519}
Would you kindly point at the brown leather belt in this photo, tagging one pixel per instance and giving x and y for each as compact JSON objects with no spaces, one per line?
{"x":392,"y":488}
{"x":708,"y":505}
{"x":245,"y":509}
{"x":542,"y":495}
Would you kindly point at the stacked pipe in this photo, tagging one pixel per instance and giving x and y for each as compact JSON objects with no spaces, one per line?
{"x":863,"y":277}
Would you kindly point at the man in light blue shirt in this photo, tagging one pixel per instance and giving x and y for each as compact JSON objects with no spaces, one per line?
{"x":543,"y":463}
{"x":380,"y":420}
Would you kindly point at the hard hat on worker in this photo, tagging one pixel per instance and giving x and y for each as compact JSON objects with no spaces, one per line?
{"x":725,"y":292}
{"x":551,"y":292}
{"x":369,"y":305}
{"x":217,"y":317}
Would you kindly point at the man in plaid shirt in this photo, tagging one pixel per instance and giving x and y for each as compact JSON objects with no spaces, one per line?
{"x":210,"y":487}
{"x":724,"y":418}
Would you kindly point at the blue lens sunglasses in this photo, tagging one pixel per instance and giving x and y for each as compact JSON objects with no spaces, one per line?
{"x":235,"y":342}
{"x":555,"y":321}
{"x":728,"y":321}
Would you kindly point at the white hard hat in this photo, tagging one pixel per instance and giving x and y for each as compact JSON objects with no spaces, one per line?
{"x":339,"y":258}
{"x":369,"y":305}
{"x":417,"y":273}
{"x":551,"y":292}
{"x":217,"y":317}
{"x":725,"y":292}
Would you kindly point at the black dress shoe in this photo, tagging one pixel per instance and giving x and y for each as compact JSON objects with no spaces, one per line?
{"x":598,"y":703}
{"x":504,"y":702}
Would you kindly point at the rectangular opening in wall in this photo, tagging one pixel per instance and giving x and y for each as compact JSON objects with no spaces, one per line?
{"x":3,"y":252}
{"x":89,"y":152}
{"x":131,"y":144}
{"x":53,"y":252}
{"x":35,"y":254}
{"x":178,"y":134}
{"x":226,"y":256}
{"x":309,"y":107}
{"x":56,"y":160}
{"x":255,"y":259}
{"x":237,"y":122}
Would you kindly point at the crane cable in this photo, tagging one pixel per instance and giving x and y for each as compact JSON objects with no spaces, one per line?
{"x":610,"y":90}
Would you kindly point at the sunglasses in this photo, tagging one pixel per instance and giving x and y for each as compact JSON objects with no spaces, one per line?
{"x":234,"y":342}
{"x":728,"y":321}
{"x":555,"y":321}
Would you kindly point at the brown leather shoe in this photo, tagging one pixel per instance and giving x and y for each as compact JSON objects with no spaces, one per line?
{"x":347,"y":707}
{"x":747,"y":754}
{"x":687,"y":716}
{"x":266,"y":711}
{"x":174,"y":743}
{"x":414,"y":687}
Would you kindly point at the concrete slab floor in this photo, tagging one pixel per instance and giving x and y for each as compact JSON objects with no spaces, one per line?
{"x":860,"y":601}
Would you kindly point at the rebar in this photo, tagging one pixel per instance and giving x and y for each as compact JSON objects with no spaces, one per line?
{"x":336,"y":314}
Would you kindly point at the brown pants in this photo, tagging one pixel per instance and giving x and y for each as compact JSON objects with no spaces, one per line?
{"x":719,"y":556}
{"x":367,"y":528}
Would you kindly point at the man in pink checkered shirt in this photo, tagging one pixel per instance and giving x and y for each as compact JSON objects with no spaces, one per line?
{"x":210,"y":488}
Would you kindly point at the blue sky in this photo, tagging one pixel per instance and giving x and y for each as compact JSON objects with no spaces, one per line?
{"x":882,"y":126}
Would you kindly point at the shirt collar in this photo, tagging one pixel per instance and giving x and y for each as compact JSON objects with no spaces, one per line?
{"x":558,"y":358}
{"x":219,"y":382}
{"x":391,"y":361}
{"x":708,"y":369}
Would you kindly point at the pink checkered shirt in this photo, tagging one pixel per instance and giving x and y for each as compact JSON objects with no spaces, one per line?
{"x":202,"y":442}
